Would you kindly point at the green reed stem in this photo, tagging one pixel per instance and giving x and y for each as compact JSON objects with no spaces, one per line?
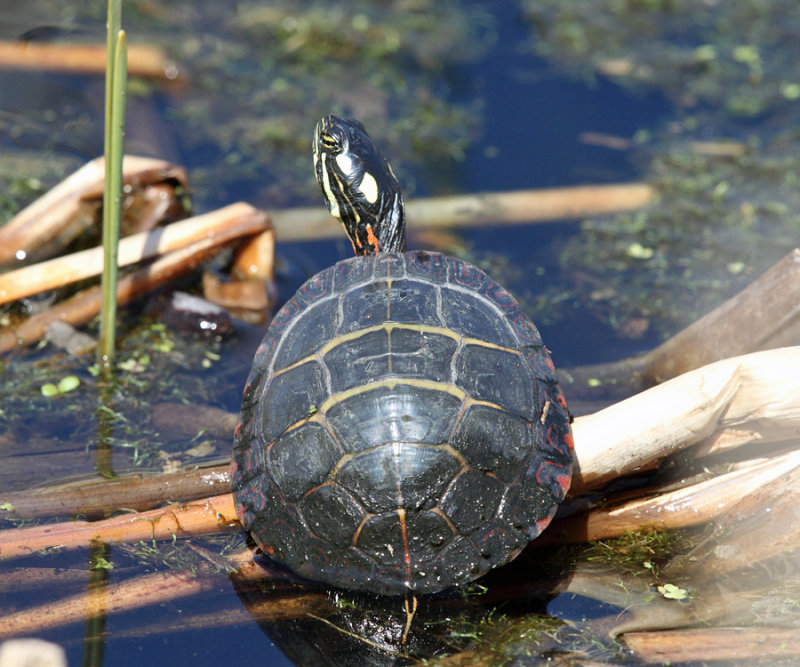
{"x":114,"y":25}
{"x":94,"y":641}
{"x":116,"y":82}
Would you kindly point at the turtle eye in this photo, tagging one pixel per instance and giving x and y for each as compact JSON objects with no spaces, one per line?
{"x":329,"y":143}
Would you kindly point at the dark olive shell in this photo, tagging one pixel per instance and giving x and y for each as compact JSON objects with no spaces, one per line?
{"x":402,"y":429}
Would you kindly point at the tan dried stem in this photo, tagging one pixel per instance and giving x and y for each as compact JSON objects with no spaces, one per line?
{"x":81,"y":308}
{"x":89,"y":263}
{"x":144,"y":60}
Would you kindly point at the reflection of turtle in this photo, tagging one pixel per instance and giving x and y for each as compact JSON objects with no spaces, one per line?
{"x":401,"y":429}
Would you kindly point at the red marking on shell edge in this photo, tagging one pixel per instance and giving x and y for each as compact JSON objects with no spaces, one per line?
{"x":563,"y":481}
{"x":526,"y":329}
{"x":568,"y":439}
{"x":285,"y":315}
{"x":237,"y":430}
{"x":541,"y":524}
{"x":466,"y":274}
{"x":490,"y":534}
{"x":269,"y":550}
{"x":500,"y":296}
{"x":255,"y":496}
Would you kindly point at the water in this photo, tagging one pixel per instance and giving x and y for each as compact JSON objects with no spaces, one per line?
{"x":487,"y":115}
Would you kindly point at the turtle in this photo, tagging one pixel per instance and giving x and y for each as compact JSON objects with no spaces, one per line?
{"x":402,"y":429}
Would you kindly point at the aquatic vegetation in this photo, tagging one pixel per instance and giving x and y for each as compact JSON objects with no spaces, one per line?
{"x":737,"y":57}
{"x":727,"y":186}
{"x":718,"y":223}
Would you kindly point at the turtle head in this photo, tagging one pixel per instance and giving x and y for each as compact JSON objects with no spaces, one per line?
{"x":359,"y":186}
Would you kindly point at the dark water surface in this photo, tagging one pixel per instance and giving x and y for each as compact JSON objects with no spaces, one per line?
{"x":502,"y":118}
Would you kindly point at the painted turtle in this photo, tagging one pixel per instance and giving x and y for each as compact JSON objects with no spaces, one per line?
{"x":401,"y":429}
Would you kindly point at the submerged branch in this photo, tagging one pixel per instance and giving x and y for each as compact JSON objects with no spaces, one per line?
{"x":712,"y":644}
{"x":206,"y":516}
{"x":132,"y":594}
{"x":152,"y":589}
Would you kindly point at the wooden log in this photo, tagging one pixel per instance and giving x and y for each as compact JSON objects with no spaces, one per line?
{"x":100,"y":498}
{"x":691,"y":506}
{"x":753,"y":645}
{"x":756,"y":392}
{"x":528,"y":205}
{"x":256,"y":258}
{"x":132,"y":249}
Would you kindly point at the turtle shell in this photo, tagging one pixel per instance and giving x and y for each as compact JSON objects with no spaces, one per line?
{"x":402,"y":429}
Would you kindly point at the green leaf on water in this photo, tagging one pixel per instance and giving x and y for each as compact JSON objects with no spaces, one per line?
{"x":49,"y":390}
{"x":69,"y":383}
{"x":672,"y":592}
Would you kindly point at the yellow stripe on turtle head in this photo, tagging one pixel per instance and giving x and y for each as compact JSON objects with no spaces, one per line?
{"x":333,"y":205}
{"x":369,"y":187}
{"x":345,"y":163}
